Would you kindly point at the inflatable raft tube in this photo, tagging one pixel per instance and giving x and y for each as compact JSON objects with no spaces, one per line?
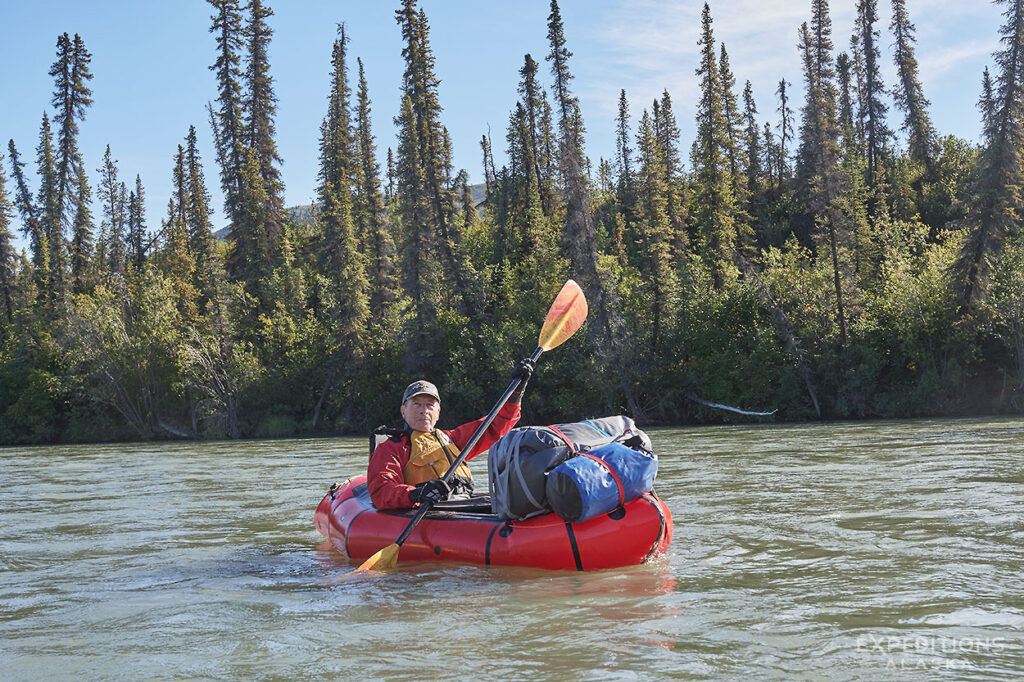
{"x":466,"y":531}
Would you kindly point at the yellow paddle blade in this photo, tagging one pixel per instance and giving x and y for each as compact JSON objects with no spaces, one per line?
{"x":382,"y":560}
{"x":565,"y":316}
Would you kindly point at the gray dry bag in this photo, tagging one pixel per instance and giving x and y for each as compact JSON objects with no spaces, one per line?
{"x":519,"y":462}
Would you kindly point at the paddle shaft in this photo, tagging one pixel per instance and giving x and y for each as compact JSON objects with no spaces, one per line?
{"x":477,"y":435}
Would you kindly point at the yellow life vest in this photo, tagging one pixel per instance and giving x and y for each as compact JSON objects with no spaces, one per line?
{"x":430,"y":455}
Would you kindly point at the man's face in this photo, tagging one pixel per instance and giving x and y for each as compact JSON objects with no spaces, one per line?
{"x":421,"y":411}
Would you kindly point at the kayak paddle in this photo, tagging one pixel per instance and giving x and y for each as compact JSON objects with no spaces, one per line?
{"x":565,"y":316}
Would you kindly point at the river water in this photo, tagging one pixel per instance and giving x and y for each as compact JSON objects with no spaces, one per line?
{"x":877,"y":550}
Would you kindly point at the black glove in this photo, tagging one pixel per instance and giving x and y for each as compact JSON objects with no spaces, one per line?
{"x":435,"y":490}
{"x":522,"y":371}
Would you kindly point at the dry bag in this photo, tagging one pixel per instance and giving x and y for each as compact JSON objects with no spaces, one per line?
{"x":600,"y":481}
{"x":519,"y":462}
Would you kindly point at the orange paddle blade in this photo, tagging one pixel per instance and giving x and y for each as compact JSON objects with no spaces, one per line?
{"x":565,"y":316}
{"x":382,"y":560}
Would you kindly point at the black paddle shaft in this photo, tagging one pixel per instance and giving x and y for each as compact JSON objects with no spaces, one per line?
{"x":477,"y":435}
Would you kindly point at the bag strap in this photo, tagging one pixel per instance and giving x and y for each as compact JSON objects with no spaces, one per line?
{"x":519,"y":473}
{"x":614,"y":475}
{"x":557,"y":432}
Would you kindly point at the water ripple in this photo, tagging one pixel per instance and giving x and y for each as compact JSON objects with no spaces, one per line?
{"x":873,"y":550}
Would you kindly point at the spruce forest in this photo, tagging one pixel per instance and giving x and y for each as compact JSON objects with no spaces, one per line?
{"x":823,"y":256}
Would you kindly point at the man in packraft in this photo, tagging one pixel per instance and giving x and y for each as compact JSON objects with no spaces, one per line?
{"x":408,"y":468}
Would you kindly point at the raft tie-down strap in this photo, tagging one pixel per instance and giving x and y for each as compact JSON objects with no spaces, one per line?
{"x":575,"y":546}
{"x":487,"y":548}
{"x":608,"y":468}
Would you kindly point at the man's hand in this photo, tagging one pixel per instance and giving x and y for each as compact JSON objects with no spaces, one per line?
{"x":523,"y":371}
{"x":435,"y":490}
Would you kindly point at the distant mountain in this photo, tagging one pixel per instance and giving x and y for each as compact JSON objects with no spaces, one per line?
{"x":300,"y":214}
{"x":479,"y":194}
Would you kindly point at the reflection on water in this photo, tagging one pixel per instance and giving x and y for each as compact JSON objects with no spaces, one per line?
{"x":839,"y":551}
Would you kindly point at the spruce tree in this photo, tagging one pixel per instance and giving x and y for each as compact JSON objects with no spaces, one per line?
{"x":243,"y":128}
{"x":714,"y":203}
{"x":569,"y":120}
{"x":734,"y":124}
{"x":381,"y":247}
{"x":336,"y":146}
{"x":785,"y":128}
{"x":71,"y":97}
{"x":260,"y":106}
{"x":419,"y":266}
{"x":547,"y":154}
{"x":490,"y":175}
{"x":908,"y":94}
{"x":655,"y":229}
{"x":261,"y":103}
{"x":821,"y":46}
{"x":623,"y":151}
{"x":361,"y":209}
{"x":846,"y":122}
{"x":858,"y":88}
{"x":27,"y":210}
{"x":998,"y":204}
{"x":81,"y":235}
{"x":178,"y":217}
{"x":432,"y":178}
{"x":625,"y":190}
{"x":345,"y":270}
{"x":770,"y":156}
{"x":8,"y":258}
{"x":859,"y":193}
{"x":987,"y":105}
{"x":605,"y":175}
{"x":579,"y":227}
{"x":818,"y":166}
{"x":136,"y":237}
{"x":752,"y":135}
{"x":514,"y":182}
{"x":818,"y":128}
{"x":227,"y":119}
{"x":389,"y":190}
{"x":666,"y":131}
{"x":341,"y":261}
{"x":175,"y":260}
{"x":197,"y":213}
{"x":522,"y":217}
{"x":252,"y":250}
{"x":876,"y":131}
{"x":538,"y":115}
{"x":334,"y":175}
{"x":115,"y":214}
{"x":50,"y":260}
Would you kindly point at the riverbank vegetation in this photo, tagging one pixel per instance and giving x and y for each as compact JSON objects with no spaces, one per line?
{"x":826,"y":254}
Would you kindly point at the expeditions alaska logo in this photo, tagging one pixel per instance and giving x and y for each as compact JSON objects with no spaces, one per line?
{"x":929,"y":653}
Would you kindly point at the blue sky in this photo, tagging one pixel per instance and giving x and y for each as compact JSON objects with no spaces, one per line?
{"x":151,"y":77}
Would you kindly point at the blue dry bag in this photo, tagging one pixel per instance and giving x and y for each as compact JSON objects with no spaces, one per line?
{"x":596,"y":482}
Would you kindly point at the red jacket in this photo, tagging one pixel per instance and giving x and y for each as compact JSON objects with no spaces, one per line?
{"x":385,"y":477}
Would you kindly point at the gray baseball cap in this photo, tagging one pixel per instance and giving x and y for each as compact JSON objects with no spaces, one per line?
{"x":420,"y":387}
